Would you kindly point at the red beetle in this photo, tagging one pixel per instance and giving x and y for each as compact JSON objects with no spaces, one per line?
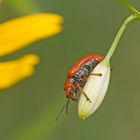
{"x":77,"y":76}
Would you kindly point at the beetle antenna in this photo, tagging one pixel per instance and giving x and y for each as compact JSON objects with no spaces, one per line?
{"x":62,"y":109}
{"x":67,"y":106}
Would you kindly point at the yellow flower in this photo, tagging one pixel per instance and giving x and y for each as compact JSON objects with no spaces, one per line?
{"x":18,"y":33}
{"x":15,"y":70}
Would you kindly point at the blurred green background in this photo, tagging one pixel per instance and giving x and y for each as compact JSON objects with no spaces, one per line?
{"x":28,"y":110}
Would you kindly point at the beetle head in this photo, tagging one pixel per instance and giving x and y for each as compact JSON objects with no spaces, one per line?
{"x":71,"y":94}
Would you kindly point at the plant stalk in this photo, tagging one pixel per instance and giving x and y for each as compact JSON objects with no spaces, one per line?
{"x":118,"y":36}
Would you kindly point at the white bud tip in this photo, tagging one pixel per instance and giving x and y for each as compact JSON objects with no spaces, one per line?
{"x":95,"y":88}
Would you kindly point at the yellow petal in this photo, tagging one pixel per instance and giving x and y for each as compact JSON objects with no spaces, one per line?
{"x":17,"y":33}
{"x":14,"y":71}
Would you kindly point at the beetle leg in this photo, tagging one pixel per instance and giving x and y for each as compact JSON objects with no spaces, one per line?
{"x":82,"y":91}
{"x":96,"y":74}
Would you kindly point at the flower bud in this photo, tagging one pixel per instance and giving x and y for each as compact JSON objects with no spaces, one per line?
{"x":95,"y":88}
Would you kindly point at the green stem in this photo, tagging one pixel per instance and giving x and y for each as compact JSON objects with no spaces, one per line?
{"x":132,"y":9}
{"x":118,"y":36}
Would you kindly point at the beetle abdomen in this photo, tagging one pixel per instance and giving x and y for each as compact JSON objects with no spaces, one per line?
{"x":85,"y":71}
